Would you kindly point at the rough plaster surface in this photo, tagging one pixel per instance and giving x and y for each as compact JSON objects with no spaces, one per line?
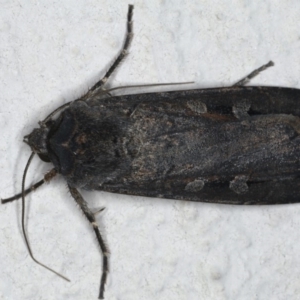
{"x":50,"y":52}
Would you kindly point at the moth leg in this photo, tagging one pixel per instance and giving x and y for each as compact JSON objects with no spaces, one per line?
{"x":253,"y":74}
{"x":123,"y":53}
{"x":91,"y":218}
{"x":98,"y":211}
{"x":48,"y":176}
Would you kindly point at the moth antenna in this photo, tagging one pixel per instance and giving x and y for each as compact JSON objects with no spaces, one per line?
{"x":144,"y":85}
{"x":107,"y":92}
{"x":55,"y":112}
{"x":23,"y":221}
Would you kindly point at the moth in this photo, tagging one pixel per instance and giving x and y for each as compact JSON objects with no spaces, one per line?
{"x":232,"y":145}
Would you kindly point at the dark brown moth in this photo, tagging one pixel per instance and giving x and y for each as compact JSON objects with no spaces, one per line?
{"x":234,"y":145}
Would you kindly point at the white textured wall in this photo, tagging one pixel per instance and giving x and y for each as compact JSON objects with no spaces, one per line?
{"x":50,"y":52}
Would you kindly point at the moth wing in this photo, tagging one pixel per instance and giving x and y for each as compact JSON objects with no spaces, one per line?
{"x":178,"y":140}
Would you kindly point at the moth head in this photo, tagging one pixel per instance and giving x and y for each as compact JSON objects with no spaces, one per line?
{"x":37,"y":140}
